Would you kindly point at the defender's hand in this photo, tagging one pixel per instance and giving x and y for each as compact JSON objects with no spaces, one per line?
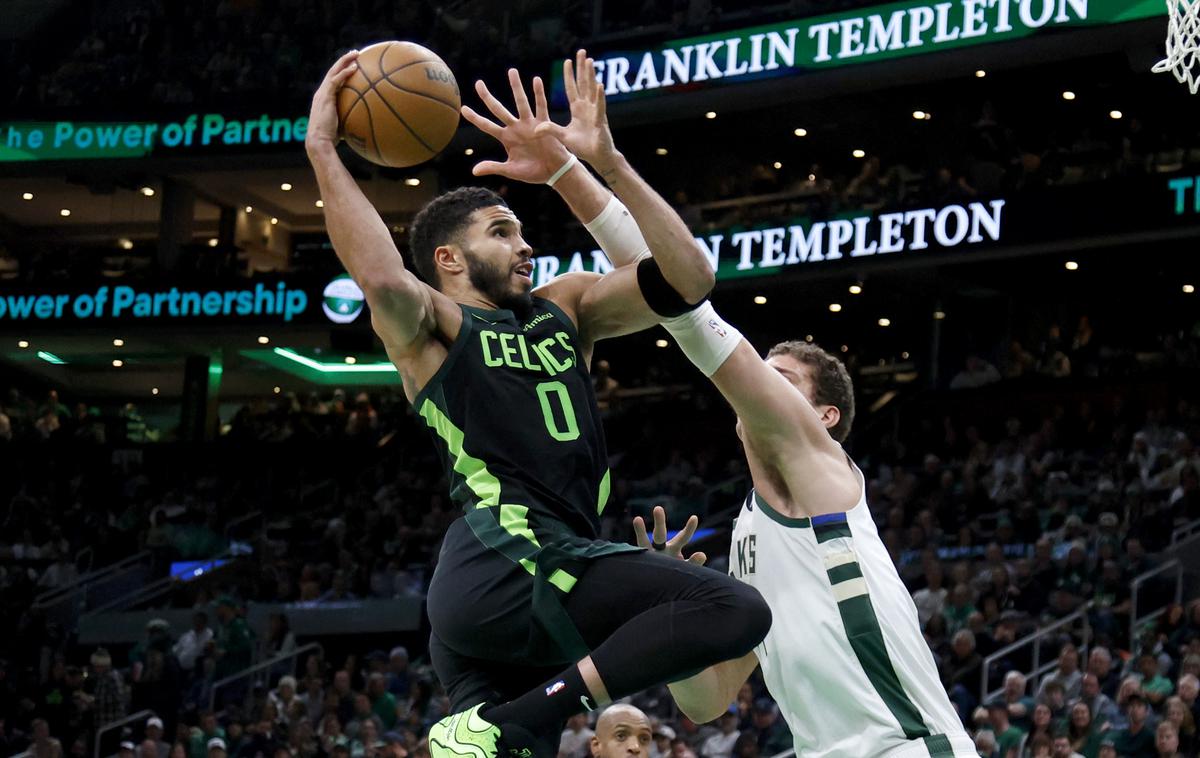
{"x":323,"y":117}
{"x":532,"y":157}
{"x":674,"y":548}
{"x":588,"y":135}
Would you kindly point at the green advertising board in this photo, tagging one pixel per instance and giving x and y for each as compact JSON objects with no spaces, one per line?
{"x":867,"y":35}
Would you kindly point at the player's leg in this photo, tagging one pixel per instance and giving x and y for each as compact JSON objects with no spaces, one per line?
{"x":648,"y":619}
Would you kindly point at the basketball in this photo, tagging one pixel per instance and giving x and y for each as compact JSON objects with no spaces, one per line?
{"x":400,"y":107}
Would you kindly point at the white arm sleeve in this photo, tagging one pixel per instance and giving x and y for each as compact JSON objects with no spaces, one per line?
{"x":705,"y":338}
{"x":618,"y":234}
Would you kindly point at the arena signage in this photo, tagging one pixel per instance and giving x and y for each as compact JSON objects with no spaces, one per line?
{"x":863,"y":36}
{"x":70,"y":140}
{"x":1180,"y":189}
{"x":756,"y":252}
{"x":128,"y":303}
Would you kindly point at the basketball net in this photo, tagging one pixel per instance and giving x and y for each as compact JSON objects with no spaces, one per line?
{"x":1183,"y":43}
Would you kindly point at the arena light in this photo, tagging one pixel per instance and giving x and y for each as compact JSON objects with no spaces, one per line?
{"x":1071,"y":266}
{"x":845,"y":348}
{"x":835,"y":307}
{"x":125,"y":243}
{"x":276,"y":389}
{"x":118,"y":363}
{"x":351,"y":360}
{"x":760,"y":300}
{"x":777,"y":165}
{"x":320,"y":203}
{"x":469,"y":151}
{"x":413,"y":181}
{"x":1115,"y":115}
{"x":885,"y":322}
{"x":286,"y":186}
{"x":332,"y":368}
{"x":1188,"y":289}
{"x":710,"y":115}
{"x":213,"y":241}
{"x":859,"y":153}
{"x":856,"y":289}
{"x":661,"y":343}
{"x":1068,"y":95}
{"x":904,"y":355}
{"x":808,"y":338}
{"x":51,"y":358}
{"x":800,"y":132}
{"x":660,"y":151}
{"x":22,"y":344}
{"x":118,"y":342}
{"x":274,"y":221}
{"x":147,"y":191}
{"x":980,"y":73}
{"x":919,"y":115}
{"x":264,"y":339}
{"x":154,"y":390}
{"x":939,"y":315}
{"x":65,"y":212}
{"x":249,"y":209}
{"x":27,"y":196}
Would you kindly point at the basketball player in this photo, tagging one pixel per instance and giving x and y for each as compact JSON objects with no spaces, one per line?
{"x":845,"y":657}
{"x":532,"y":618}
{"x":622,"y":731}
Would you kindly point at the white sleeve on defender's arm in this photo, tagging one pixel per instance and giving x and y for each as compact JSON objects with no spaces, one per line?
{"x":705,"y":338}
{"x":618,"y":234}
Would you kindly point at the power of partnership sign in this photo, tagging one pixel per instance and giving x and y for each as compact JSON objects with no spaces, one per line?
{"x":71,"y":140}
{"x":863,"y":36}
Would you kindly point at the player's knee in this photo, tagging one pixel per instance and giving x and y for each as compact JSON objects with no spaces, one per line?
{"x":755,"y":617}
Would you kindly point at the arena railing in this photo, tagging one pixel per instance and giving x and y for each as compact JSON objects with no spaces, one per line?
{"x":1185,"y":533}
{"x":264,"y":670}
{"x":132,"y":718}
{"x":1136,"y":621}
{"x":65,"y":604}
{"x":1034,"y":639}
{"x":155,"y":588}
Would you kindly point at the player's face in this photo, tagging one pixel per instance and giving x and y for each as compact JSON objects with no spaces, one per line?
{"x":802,"y":378}
{"x":627,"y":735}
{"x":499,"y":260}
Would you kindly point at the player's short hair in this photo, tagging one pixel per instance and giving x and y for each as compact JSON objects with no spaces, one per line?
{"x":441,"y":222}
{"x":832,"y":381}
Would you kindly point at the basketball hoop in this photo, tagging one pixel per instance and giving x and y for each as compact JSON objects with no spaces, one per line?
{"x":1183,"y":43}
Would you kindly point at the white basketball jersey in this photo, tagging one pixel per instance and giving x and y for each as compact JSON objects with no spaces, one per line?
{"x":845,"y":658}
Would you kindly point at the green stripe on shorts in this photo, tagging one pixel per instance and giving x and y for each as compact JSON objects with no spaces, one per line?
{"x":939,"y":746}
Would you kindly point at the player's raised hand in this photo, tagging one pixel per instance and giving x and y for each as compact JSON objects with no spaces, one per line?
{"x":323,"y":123}
{"x":531,"y":157}
{"x":587,"y":135}
{"x":674,"y":547}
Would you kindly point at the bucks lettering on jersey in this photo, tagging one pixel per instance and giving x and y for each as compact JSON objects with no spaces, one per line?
{"x":514,"y":418}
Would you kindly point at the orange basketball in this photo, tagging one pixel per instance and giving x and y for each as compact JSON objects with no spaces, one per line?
{"x":400,"y":107}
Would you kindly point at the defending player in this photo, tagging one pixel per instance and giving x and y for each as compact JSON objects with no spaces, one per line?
{"x":845,"y":657}
{"x":531,"y":615}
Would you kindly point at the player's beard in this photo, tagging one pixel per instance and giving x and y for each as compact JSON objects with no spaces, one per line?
{"x":494,"y":282}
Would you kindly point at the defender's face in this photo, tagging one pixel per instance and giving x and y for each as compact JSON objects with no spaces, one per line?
{"x":800,"y":375}
{"x":627,"y":737}
{"x":499,"y":260}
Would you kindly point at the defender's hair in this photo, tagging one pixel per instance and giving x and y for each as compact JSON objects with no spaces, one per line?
{"x":831,"y":379}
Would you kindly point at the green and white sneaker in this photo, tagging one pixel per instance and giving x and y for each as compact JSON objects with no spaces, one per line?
{"x":464,"y":735}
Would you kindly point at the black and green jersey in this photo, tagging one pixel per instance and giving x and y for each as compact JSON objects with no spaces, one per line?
{"x":514,"y":418}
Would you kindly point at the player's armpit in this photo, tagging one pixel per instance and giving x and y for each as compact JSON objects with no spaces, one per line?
{"x":405,"y":309}
{"x":705,"y":696}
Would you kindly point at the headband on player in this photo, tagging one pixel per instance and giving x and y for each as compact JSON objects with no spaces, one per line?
{"x":660,"y":295}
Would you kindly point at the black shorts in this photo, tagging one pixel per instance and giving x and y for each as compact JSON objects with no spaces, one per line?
{"x":498,"y":631}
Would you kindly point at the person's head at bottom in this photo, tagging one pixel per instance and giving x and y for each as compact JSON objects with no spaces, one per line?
{"x":622,"y":731}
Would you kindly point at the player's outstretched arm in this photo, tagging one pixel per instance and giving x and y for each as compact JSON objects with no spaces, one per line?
{"x":776,"y":419}
{"x":684,"y":265}
{"x":401,"y":305}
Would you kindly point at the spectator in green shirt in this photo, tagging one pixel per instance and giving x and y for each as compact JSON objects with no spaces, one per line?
{"x":1155,"y":686}
{"x":235,"y":641}
{"x":1137,"y":739}
{"x":1008,"y":737}
{"x":383,"y":703}
{"x":208,"y":730}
